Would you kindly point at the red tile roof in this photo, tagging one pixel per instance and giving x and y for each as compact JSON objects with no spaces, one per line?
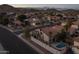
{"x":53,"y":29}
{"x":76,"y":39}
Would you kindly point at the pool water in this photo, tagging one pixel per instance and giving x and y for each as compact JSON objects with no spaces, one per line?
{"x":60,"y":45}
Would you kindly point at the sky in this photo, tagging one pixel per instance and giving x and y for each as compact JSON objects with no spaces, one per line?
{"x":73,"y":6}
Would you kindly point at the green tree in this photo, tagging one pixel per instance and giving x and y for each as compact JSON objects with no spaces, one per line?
{"x":4,"y":19}
{"x":65,"y":33}
{"x":62,"y":36}
{"x":1,"y":18}
{"x":21,"y":17}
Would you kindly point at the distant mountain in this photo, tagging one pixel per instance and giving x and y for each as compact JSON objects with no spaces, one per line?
{"x":6,"y":8}
{"x":6,"y":5}
{"x":71,"y":11}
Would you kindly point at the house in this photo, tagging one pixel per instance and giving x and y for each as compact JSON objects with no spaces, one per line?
{"x":47,"y":30}
{"x":76,"y":22}
{"x":78,"y":16}
{"x":75,"y":47}
{"x":76,"y":41}
{"x":42,"y":38}
{"x":34,"y":21}
{"x":72,"y":29}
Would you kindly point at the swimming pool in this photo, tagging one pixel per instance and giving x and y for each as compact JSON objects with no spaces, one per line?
{"x":61,"y":45}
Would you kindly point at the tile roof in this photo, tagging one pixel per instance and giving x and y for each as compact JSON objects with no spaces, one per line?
{"x":76,"y":39}
{"x":76,"y":22}
{"x":53,"y":29}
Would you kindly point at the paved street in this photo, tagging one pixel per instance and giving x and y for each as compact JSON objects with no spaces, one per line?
{"x":13,"y":44}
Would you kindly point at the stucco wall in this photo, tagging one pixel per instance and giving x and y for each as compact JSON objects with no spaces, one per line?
{"x":76,"y":43}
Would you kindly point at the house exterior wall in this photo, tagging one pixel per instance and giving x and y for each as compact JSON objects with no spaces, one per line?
{"x":76,"y":43}
{"x":76,"y":51}
{"x":46,"y":38}
{"x":77,"y":16}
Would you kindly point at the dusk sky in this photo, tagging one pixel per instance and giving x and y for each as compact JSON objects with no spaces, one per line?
{"x":48,"y":5}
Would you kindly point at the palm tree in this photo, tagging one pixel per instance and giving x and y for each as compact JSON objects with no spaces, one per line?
{"x":27,"y":32}
{"x":50,"y":38}
{"x":69,"y":41}
{"x":64,"y":33}
{"x":68,"y":25}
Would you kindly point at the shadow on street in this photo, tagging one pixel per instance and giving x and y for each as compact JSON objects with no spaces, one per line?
{"x":13,"y":44}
